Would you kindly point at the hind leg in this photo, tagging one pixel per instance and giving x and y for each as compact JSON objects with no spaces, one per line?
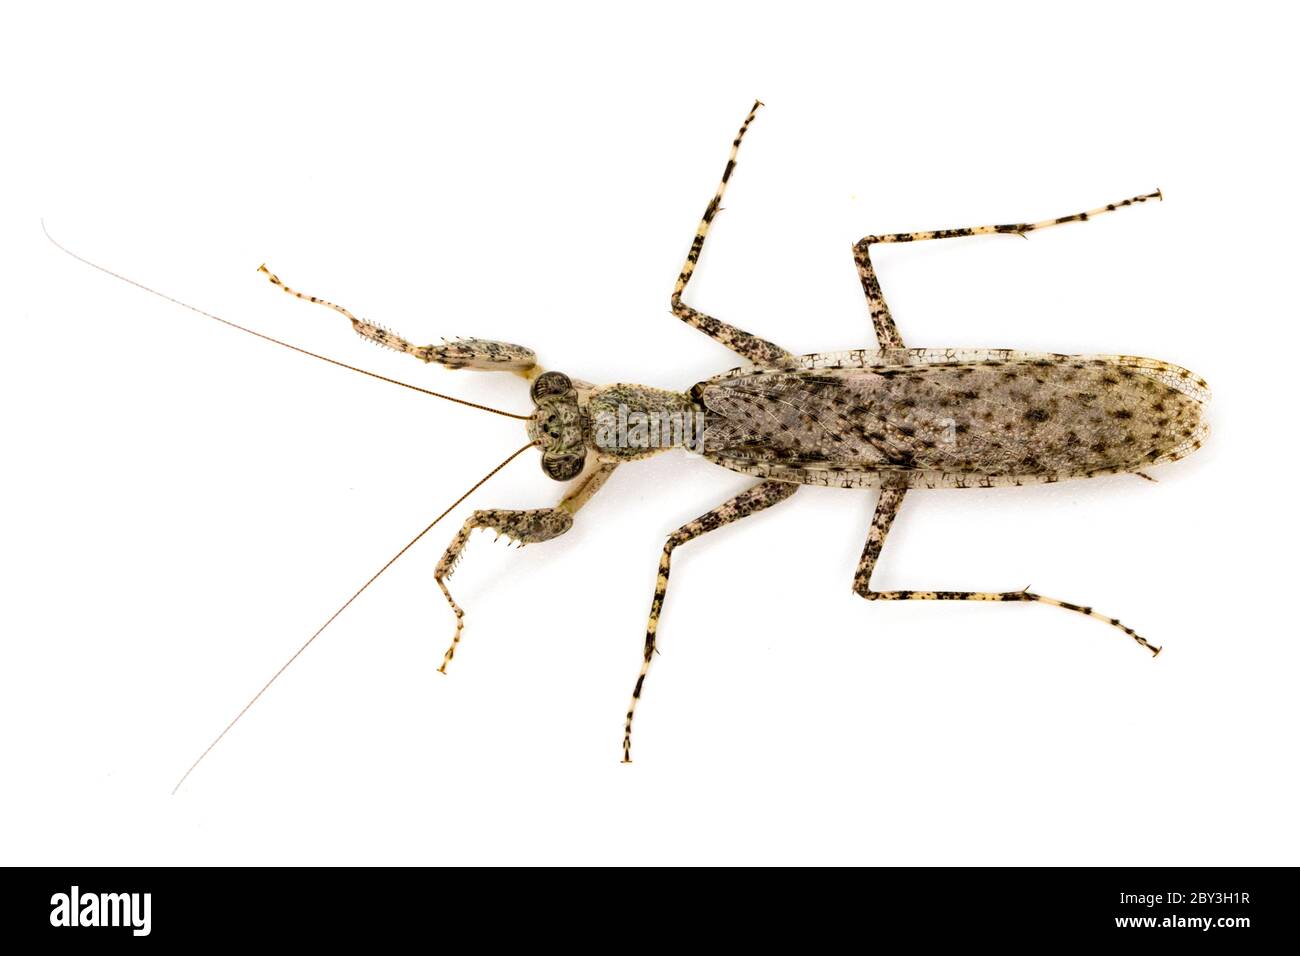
{"x":886,"y":509}
{"x":886,"y":332}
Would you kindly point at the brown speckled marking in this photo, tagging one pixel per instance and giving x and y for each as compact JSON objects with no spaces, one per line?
{"x":969,"y":419}
{"x":481,"y":354}
{"x":756,"y":499}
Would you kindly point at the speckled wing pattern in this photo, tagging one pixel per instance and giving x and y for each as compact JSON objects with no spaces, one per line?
{"x":951,"y":417}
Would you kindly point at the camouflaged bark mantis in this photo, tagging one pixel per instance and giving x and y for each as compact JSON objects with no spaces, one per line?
{"x":891,"y":418}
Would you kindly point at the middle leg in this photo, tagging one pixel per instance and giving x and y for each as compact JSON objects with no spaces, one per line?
{"x":760,"y":497}
{"x":757,"y":350}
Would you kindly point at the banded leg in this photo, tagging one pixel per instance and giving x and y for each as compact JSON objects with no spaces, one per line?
{"x":757,"y":350}
{"x":886,"y":508}
{"x":523,"y":527}
{"x":481,"y":354}
{"x":886,"y":332}
{"x":758,"y":498}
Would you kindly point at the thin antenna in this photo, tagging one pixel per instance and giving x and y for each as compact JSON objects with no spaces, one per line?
{"x":234,"y":325}
{"x":344,"y":607}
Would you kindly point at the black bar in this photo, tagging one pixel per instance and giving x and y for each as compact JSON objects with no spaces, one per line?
{"x":1230,"y":907}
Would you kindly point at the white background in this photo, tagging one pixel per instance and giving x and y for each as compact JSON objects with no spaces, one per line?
{"x":183,"y":504}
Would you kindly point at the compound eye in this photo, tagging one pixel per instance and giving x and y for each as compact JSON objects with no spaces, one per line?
{"x":563,"y":467}
{"x":551,"y":383}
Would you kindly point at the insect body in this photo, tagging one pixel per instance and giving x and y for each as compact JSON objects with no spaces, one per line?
{"x":892,"y":418}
